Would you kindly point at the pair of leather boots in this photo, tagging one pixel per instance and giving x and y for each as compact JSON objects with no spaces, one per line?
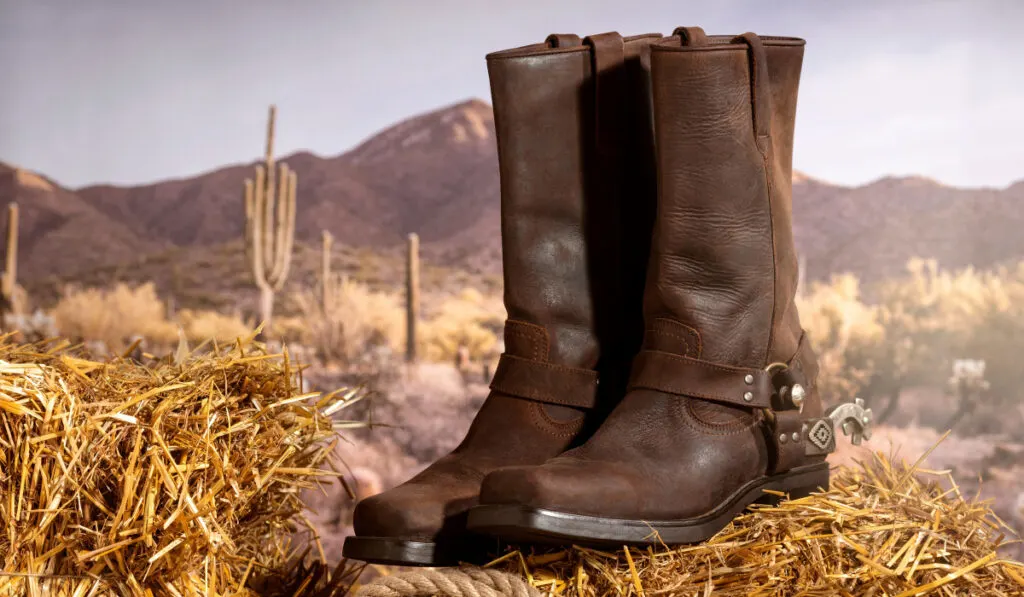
{"x":656,"y":379}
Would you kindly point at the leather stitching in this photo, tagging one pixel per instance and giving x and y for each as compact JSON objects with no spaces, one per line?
{"x":590,"y":374}
{"x":683,"y":339}
{"x":704,"y":428}
{"x":709,"y":365}
{"x":537,"y":335}
{"x":672,"y":388}
{"x":544,"y":394}
{"x":672,"y":328}
{"x":563,"y":429}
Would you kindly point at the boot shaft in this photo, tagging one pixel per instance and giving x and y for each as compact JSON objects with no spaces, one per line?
{"x":575,"y":149}
{"x":723,"y":265}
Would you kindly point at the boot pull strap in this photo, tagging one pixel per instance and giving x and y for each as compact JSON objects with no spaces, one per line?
{"x":563,"y":40}
{"x":691,"y":36}
{"x":760,"y":92}
{"x":608,"y":55}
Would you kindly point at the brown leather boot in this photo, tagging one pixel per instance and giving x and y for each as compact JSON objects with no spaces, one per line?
{"x":574,"y":135}
{"x":722,"y":402}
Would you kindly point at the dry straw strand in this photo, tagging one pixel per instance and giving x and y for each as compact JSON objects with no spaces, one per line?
{"x":170,"y":478}
{"x":882,"y":528}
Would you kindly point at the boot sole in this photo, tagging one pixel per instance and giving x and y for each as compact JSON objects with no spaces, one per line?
{"x":394,"y":552}
{"x":520,"y":524}
{"x":404,"y":552}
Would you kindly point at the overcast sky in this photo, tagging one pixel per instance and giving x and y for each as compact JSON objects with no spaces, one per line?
{"x":131,"y":91}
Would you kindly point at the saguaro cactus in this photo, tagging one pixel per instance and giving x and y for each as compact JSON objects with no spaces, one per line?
{"x":10,"y":275}
{"x":270,"y":225}
{"x":412,"y":296}
{"x":326,"y":282}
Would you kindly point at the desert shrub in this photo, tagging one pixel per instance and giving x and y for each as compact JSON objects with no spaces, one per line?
{"x":114,"y":315}
{"x":356,"y":321}
{"x":468,"y":319}
{"x":290,"y":329}
{"x":919,"y":324}
{"x":200,"y":326}
{"x":844,"y":331}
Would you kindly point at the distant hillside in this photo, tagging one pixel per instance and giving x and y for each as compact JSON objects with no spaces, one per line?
{"x":872,"y":230}
{"x":436,"y":174}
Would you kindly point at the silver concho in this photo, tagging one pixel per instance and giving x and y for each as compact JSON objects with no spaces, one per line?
{"x":822,"y":436}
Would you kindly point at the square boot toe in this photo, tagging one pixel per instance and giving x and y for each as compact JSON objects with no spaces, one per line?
{"x":563,"y":485}
{"x":414,"y":511}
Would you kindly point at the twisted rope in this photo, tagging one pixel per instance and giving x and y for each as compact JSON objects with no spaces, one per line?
{"x":450,"y":582}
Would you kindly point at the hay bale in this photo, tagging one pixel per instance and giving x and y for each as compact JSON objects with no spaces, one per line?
{"x":882,"y":529}
{"x":179,"y":477}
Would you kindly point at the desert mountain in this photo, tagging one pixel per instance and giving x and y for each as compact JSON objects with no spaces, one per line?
{"x":874,"y":229}
{"x":436,"y":174}
{"x":61,"y":231}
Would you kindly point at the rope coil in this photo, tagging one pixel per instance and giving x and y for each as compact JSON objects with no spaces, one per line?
{"x":450,"y":582}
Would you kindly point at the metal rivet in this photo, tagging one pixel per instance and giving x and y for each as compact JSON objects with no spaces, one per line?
{"x":783,"y":438}
{"x":748,"y":396}
{"x":798,"y":395}
{"x":749,"y":379}
{"x":796,"y":436}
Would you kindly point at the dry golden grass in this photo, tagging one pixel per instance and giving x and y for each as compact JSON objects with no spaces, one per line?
{"x":468,"y":319}
{"x":180,"y":478}
{"x":355,"y":320}
{"x":113,"y":315}
{"x":882,"y":529}
{"x":200,"y":326}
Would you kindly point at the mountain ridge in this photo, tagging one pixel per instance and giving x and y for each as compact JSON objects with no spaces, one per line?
{"x":436,"y":174}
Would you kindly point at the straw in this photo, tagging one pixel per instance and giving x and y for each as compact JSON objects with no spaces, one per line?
{"x":178,"y":477}
{"x":882,"y":529}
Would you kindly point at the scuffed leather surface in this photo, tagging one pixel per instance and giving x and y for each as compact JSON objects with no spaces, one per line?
{"x":720,"y":288}
{"x":574,"y":253}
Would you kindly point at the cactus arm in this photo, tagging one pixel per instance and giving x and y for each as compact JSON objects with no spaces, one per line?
{"x":287,"y":233}
{"x":269,"y":207}
{"x":270,"y":190}
{"x":277,"y":228}
{"x":256,"y":227}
